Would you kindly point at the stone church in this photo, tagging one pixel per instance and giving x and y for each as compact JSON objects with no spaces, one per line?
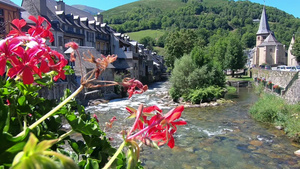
{"x":268,"y":50}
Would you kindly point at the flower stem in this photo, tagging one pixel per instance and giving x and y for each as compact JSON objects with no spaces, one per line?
{"x":50,"y":113}
{"x":115,"y":156}
{"x":65,"y":135}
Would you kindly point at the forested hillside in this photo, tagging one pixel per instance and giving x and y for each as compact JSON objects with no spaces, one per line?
{"x":210,"y":15}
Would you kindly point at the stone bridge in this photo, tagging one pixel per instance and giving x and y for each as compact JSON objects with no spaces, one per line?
{"x":285,"y":84}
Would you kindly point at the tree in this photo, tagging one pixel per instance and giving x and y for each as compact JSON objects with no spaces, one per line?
{"x":296,"y":49}
{"x":234,"y":56}
{"x":248,"y":40}
{"x":179,"y":43}
{"x":148,"y":42}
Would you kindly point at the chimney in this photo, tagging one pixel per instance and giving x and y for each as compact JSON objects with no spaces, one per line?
{"x":61,"y":6}
{"x":100,"y":18}
{"x":42,"y":7}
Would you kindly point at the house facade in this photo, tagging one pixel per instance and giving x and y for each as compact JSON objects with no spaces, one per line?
{"x":268,"y":50}
{"x":8,"y":12}
{"x":291,"y":58}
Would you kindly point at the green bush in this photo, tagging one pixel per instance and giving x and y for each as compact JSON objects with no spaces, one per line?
{"x":272,"y":109}
{"x":205,"y":94}
{"x":268,"y":109}
{"x":187,"y":78}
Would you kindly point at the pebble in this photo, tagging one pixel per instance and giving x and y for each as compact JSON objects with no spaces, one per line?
{"x":256,"y":143}
{"x":297,"y":153}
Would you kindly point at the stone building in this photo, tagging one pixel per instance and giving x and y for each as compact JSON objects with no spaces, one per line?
{"x":268,"y":50}
{"x":291,"y":58}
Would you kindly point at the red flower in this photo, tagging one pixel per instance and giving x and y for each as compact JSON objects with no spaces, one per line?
{"x":26,"y":67}
{"x":39,"y":30}
{"x":160,"y":127}
{"x":8,"y":47}
{"x":132,"y":84}
{"x":17,"y":25}
{"x":95,"y":117}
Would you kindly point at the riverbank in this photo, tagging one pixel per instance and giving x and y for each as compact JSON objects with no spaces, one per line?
{"x":272,"y":109}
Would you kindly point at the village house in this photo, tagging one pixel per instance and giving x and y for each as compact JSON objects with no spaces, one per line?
{"x":8,"y":12}
{"x":268,"y":50}
{"x":291,"y":58}
{"x":71,"y":24}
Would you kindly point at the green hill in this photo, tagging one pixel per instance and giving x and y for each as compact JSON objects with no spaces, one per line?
{"x":167,"y":5}
{"x":207,"y":16}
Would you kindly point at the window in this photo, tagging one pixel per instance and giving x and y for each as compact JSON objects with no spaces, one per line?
{"x":90,"y":36}
{"x":60,"y":41}
{"x":1,"y":12}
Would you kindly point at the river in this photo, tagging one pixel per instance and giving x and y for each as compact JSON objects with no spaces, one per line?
{"x":215,"y":137}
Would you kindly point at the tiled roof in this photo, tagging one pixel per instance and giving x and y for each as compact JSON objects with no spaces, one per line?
{"x":263,"y":25}
{"x":121,"y":64}
{"x":10,"y":3}
{"x":270,"y":41}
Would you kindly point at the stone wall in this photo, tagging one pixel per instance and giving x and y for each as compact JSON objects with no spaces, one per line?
{"x":57,"y":91}
{"x":288,"y":82}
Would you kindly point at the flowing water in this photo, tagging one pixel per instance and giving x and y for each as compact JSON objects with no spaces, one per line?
{"x":215,"y":137}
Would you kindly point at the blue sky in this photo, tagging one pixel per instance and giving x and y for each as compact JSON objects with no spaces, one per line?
{"x":289,"y":6}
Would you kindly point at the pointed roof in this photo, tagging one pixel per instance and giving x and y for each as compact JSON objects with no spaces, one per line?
{"x":263,"y":25}
{"x":292,"y":42}
{"x":270,"y":41}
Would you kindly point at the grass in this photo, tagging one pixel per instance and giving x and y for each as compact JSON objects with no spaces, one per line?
{"x":273,"y":109}
{"x":160,"y":51}
{"x":155,"y":34}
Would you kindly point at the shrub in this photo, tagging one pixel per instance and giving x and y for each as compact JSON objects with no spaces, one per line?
{"x":205,"y":94}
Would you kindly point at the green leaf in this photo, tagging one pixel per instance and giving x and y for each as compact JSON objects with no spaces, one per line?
{"x":31,"y":144}
{"x":84,"y":127}
{"x":16,"y":148}
{"x":45,"y":144}
{"x":22,"y":100}
{"x":3,"y":115}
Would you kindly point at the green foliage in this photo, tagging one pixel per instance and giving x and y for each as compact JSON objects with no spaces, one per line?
{"x":148,"y":42}
{"x":234,"y":56}
{"x":205,"y":94}
{"x":179,"y":43}
{"x":296,"y":49}
{"x":25,"y":105}
{"x":248,"y":40}
{"x":207,"y":14}
{"x":272,"y":109}
{"x":187,"y":76}
{"x":268,"y":109}
{"x":37,"y":156}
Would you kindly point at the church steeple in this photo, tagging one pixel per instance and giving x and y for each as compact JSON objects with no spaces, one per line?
{"x":264,"y":29}
{"x":263,"y":25}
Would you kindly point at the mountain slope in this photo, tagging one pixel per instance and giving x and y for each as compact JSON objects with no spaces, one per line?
{"x":91,"y":10}
{"x":210,"y":15}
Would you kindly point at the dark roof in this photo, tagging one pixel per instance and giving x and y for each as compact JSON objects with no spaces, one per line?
{"x":263,"y":25}
{"x":51,"y":10}
{"x":121,"y":64}
{"x":270,"y":41}
{"x":10,"y":3}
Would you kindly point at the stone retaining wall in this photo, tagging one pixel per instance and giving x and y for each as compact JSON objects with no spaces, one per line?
{"x":289,"y":82}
